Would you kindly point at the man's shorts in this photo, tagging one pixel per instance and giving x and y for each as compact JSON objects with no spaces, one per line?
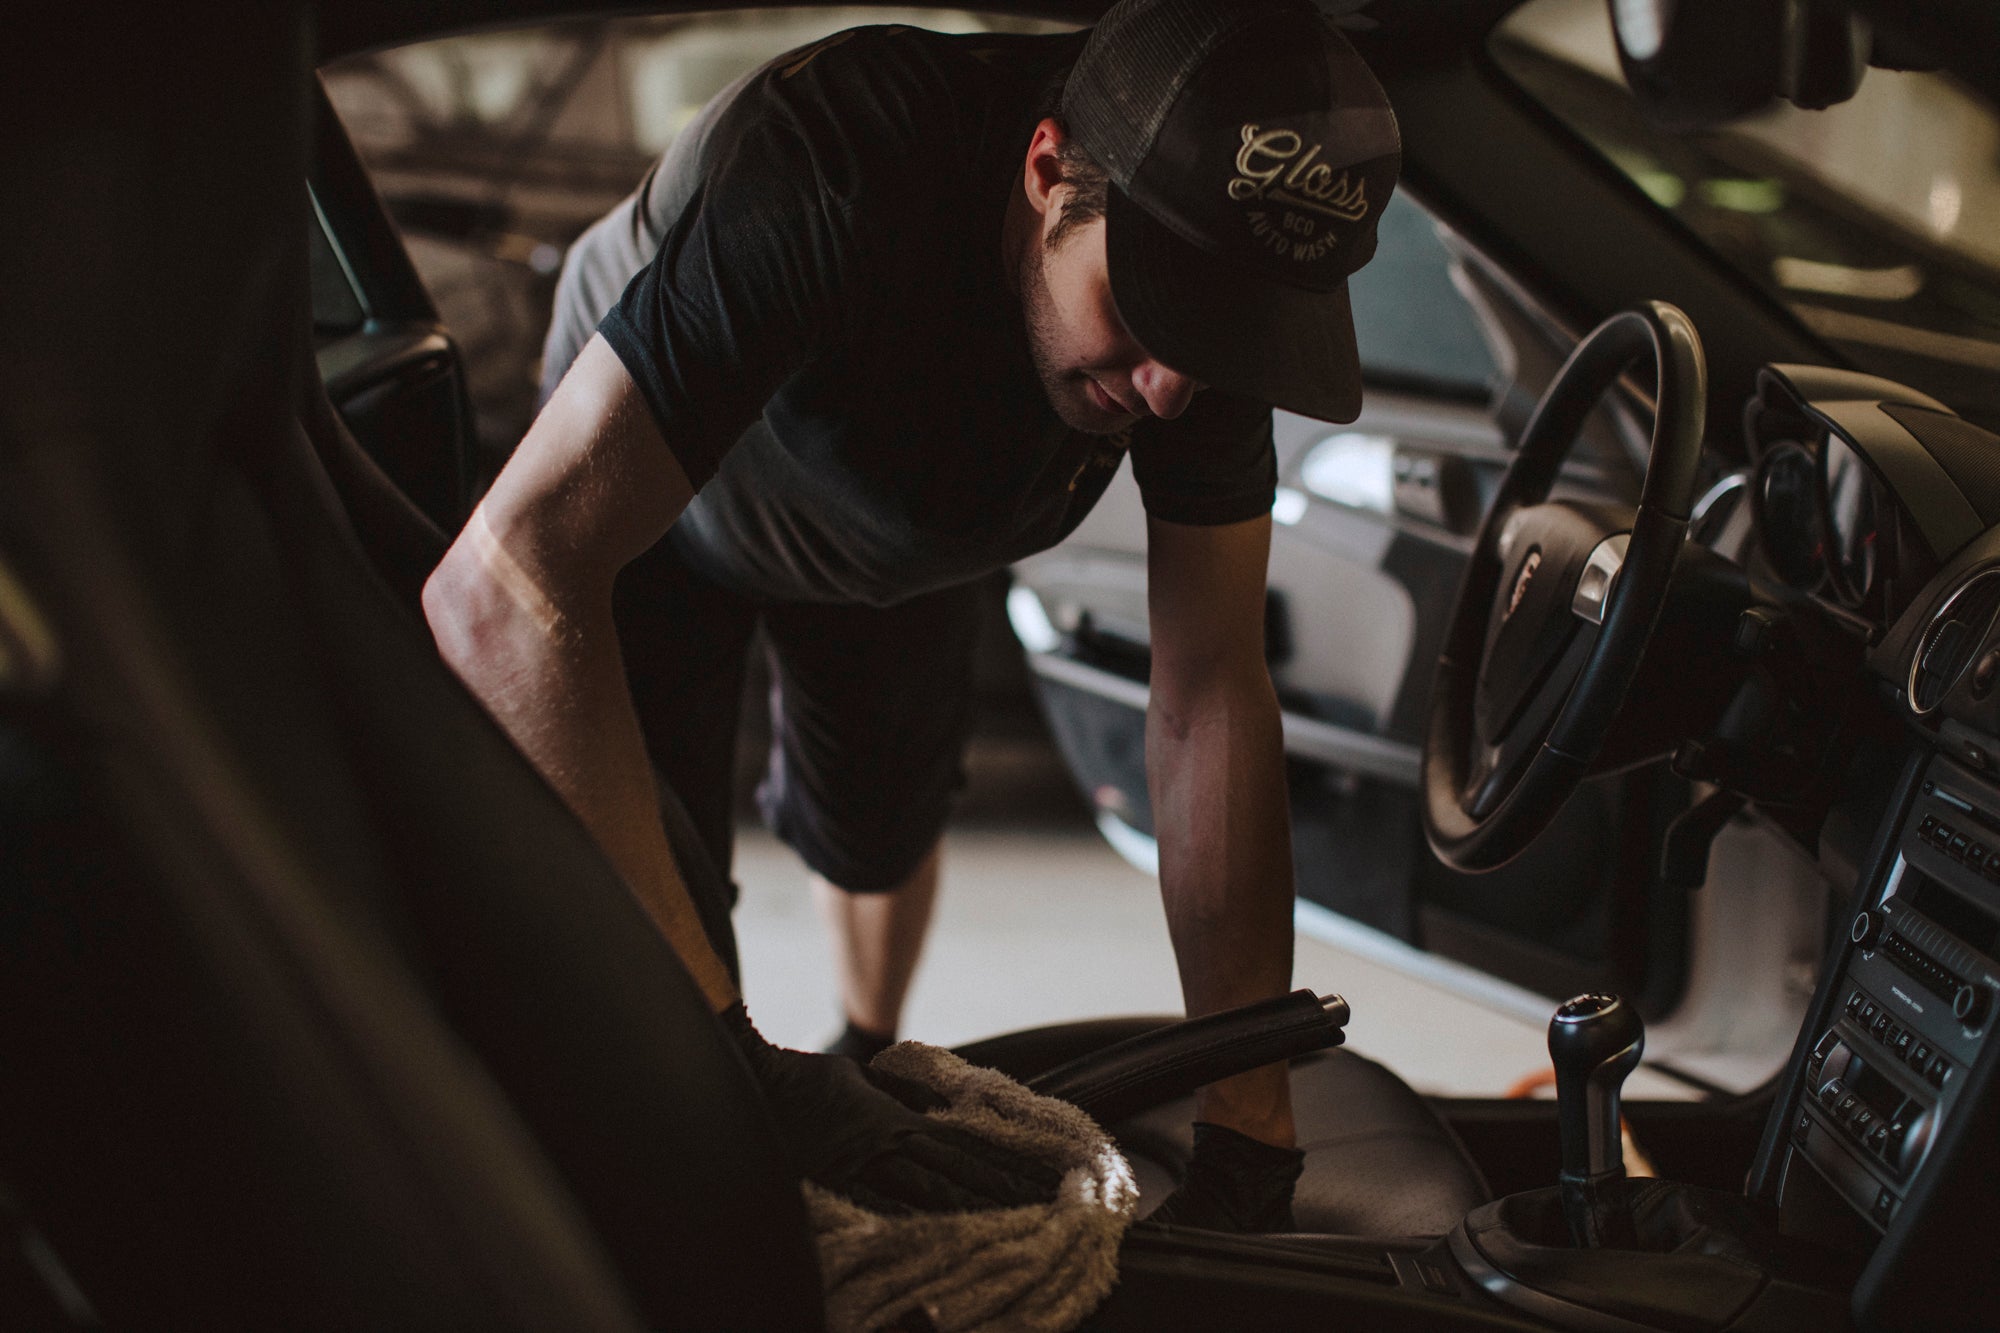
{"x":869,"y":712}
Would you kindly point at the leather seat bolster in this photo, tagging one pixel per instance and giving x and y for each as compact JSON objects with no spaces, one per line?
{"x":1379,"y":1161}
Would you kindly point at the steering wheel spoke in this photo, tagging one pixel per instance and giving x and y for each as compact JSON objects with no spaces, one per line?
{"x":1558,"y":603}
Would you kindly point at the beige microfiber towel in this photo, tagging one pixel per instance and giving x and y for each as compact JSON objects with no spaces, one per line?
{"x":1043,"y":1267}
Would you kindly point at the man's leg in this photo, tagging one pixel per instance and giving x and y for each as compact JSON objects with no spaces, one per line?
{"x":877,"y":939}
{"x":870,"y":708}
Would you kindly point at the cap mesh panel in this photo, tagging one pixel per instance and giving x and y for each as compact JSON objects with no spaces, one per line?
{"x":1137,"y":59}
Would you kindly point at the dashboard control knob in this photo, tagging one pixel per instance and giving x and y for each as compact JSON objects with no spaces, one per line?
{"x":1866,"y":930}
{"x":1972,"y":1004}
{"x":1984,"y":673}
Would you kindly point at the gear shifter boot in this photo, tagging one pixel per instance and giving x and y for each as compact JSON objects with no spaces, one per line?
{"x":1699,"y":1259}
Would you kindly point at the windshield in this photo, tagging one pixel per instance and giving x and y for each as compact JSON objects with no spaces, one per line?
{"x":1877,"y":221}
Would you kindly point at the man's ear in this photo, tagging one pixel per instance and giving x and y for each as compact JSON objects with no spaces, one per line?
{"x":1042,"y":173}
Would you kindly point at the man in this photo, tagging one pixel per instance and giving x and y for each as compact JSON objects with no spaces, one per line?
{"x":901,"y":315}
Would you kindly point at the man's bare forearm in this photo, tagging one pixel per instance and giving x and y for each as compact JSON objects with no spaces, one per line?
{"x":1215,"y":764}
{"x":552,"y":676}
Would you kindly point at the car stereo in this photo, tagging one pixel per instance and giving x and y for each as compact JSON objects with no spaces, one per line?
{"x":1915,"y":1000}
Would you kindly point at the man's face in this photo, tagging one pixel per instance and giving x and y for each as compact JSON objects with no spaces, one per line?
{"x":1099,"y":380}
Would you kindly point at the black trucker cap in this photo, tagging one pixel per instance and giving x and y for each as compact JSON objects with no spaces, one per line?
{"x":1251,"y":153}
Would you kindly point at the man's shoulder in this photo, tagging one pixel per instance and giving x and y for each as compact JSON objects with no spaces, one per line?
{"x":958,"y":65}
{"x":885,"y":124}
{"x":894,"y":84}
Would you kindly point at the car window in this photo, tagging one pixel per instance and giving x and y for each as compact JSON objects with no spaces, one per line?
{"x":1871,"y":219}
{"x":493,"y":152}
{"x":336,"y":306}
{"x":1414,"y":329}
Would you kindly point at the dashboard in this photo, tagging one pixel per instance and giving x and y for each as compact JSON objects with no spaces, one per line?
{"x":1879,"y":508}
{"x":1876,"y":511}
{"x":1855,"y":496}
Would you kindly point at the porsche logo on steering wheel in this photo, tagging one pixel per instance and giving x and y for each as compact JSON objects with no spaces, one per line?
{"x":1528,"y":568}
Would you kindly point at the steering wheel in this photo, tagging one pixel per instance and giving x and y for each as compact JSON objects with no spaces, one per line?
{"x":1558,"y":602}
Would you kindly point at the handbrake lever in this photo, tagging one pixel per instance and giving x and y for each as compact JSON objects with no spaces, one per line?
{"x":1129,"y":1076}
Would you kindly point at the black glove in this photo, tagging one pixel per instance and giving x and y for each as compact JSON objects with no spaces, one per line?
{"x":861,"y":1133}
{"x":1234,"y":1183}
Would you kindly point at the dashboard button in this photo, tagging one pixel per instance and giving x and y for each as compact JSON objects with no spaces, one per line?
{"x":1854,"y":1003}
{"x":1878,"y":1138}
{"x":1919,"y":1056}
{"x":1942,"y":834}
{"x":1845,"y":1106}
{"x":1903,"y":1041}
{"x":1958,"y":845}
{"x":1892,"y":1146}
{"x":1831,"y":1094}
{"x":1868,"y":1012}
{"x":1977,"y":853}
{"x":1880,"y":1025}
{"x":1885,"y":1207}
{"x":1939,"y":1070}
{"x":1971,"y":1004}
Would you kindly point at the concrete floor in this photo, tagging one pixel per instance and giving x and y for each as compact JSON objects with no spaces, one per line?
{"x":1039,"y":921}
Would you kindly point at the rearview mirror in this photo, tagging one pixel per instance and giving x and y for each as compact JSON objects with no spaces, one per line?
{"x":1698,"y":63}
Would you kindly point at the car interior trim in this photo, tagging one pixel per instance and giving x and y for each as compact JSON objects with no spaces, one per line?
{"x":1600,"y":571}
{"x":1931,"y":645}
{"x":30,"y":653}
{"x":339,"y":253}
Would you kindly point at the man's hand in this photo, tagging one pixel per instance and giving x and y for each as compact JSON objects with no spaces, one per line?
{"x":861,"y":1134}
{"x":1234,"y":1183}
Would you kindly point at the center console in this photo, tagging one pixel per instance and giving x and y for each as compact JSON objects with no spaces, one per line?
{"x":1872,"y":1197}
{"x":1889,"y":1144}
{"x":1914,"y":1003}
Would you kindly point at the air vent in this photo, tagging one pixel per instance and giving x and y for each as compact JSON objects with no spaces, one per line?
{"x":1951,"y":639}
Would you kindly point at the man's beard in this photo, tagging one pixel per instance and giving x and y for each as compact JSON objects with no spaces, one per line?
{"x":1065,"y":386}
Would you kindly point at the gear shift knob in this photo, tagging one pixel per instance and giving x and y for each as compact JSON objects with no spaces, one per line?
{"x":1594,"y":1042}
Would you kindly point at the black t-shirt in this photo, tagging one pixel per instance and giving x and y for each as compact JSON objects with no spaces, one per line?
{"x":831,"y":346}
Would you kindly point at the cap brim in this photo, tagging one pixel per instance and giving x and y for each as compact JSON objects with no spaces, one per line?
{"x":1229,"y":327}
